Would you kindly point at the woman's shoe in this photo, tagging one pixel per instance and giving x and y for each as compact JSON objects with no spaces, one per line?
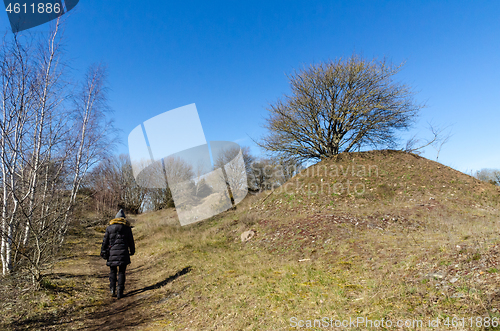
{"x":113,"y":291}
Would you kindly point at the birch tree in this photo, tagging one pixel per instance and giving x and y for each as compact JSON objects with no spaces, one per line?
{"x":16,"y":95}
{"x":50,"y":138}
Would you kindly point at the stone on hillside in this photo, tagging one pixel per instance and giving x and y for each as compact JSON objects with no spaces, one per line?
{"x":458,"y":295}
{"x":435,"y":275}
{"x":247,"y":235}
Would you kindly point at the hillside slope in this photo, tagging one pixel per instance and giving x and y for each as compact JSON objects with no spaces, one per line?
{"x":371,"y":181}
{"x":420,"y":242}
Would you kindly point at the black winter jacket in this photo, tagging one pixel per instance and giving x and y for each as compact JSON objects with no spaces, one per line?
{"x":118,"y":239}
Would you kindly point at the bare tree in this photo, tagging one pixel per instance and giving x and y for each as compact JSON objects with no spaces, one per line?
{"x":262,"y":175}
{"x":225,"y":156}
{"x":235,"y":174}
{"x":92,"y":131}
{"x":489,"y":175}
{"x":46,"y":147}
{"x":160,"y":198}
{"x":113,"y":186}
{"x":16,"y":96}
{"x":159,"y":177}
{"x":339,"y":106}
{"x":438,"y":139}
{"x":269,"y":173}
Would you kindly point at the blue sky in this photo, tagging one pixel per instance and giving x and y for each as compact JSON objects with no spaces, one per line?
{"x":231,"y":58}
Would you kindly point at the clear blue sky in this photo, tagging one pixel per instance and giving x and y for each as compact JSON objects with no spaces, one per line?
{"x":231,"y":59}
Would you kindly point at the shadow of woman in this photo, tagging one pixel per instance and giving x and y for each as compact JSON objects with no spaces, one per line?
{"x":160,"y":284}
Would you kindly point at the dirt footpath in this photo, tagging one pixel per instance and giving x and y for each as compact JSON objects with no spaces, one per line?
{"x":127,"y":313}
{"x":116,"y":314}
{"x":75,"y":291}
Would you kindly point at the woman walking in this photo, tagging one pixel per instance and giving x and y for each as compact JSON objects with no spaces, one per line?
{"x":117,"y":242}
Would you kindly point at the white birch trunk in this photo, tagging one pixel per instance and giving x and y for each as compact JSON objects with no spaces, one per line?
{"x":39,"y":134}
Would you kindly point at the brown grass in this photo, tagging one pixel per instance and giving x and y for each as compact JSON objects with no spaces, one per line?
{"x":421,"y":242}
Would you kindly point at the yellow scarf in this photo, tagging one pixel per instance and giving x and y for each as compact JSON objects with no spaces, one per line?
{"x":119,"y":220}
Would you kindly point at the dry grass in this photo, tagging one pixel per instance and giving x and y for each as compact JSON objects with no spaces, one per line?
{"x":376,"y":255}
{"x":346,"y":271}
{"x":421,"y":243}
{"x":70,"y":289}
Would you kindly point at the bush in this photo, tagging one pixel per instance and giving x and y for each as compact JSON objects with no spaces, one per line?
{"x":248,"y":219}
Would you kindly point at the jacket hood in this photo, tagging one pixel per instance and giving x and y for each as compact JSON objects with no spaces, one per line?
{"x":120,"y":214}
{"x":120,"y":220}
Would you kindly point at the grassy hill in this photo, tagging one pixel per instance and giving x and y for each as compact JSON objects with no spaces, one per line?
{"x":370,"y":235}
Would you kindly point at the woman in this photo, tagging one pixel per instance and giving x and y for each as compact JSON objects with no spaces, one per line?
{"x":117,"y":241}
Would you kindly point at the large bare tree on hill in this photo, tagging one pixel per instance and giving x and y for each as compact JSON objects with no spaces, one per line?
{"x":339,"y":106}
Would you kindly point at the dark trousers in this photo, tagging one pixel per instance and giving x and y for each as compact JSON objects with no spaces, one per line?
{"x":121,"y":276}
